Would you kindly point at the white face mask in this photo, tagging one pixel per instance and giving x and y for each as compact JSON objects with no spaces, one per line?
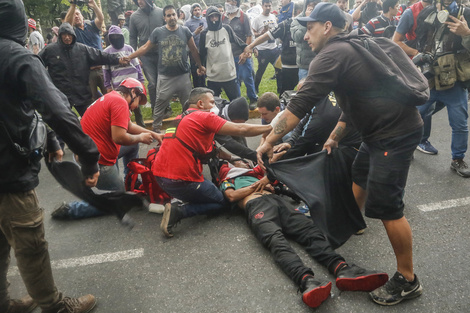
{"x":229,"y":8}
{"x":215,"y":110}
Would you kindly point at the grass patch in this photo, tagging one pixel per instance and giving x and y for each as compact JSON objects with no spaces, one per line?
{"x":266,"y":85}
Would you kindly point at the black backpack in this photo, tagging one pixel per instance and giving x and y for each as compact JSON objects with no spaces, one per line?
{"x":400,"y":79}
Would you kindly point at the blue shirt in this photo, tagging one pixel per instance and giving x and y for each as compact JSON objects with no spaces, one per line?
{"x":406,"y":22}
{"x":89,"y":36}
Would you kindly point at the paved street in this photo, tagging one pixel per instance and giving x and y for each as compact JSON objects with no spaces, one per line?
{"x":216,"y":265}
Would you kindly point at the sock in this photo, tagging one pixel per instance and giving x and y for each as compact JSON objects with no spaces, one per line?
{"x":337,"y":266}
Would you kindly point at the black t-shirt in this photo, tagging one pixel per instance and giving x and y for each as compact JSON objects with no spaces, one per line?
{"x":288,"y":53}
{"x":172,"y":50}
{"x":340,"y":68}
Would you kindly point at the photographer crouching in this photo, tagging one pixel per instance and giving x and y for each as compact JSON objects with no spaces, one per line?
{"x":437,"y":36}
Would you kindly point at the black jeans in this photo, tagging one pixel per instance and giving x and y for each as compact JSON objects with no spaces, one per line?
{"x":271,"y":219}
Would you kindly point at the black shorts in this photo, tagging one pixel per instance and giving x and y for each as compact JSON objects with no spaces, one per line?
{"x":381,"y":167}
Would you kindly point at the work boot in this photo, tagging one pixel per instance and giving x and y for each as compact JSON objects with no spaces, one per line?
{"x":61,"y":212}
{"x":171,"y":216}
{"x":313,"y":291}
{"x":23,"y":305}
{"x":355,"y":278}
{"x":460,"y":167}
{"x":83,"y":304}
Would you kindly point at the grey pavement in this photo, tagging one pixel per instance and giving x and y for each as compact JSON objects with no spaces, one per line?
{"x":214,"y":264}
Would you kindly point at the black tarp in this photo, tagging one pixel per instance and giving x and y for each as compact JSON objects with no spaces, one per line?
{"x":69,"y":176}
{"x":324,"y":183}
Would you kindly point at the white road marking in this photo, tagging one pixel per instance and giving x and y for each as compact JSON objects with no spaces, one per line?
{"x":91,"y":259}
{"x":444,"y":204}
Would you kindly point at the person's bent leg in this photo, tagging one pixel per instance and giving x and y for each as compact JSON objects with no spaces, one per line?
{"x":389,"y":165}
{"x":128,"y":153}
{"x":215,"y":87}
{"x":232,"y":89}
{"x":265,"y":222}
{"x":263,"y":61}
{"x":457,"y":110}
{"x":21,"y":222}
{"x":399,"y":234}
{"x":150,"y":68}
{"x":165,"y":93}
{"x":246,"y":70}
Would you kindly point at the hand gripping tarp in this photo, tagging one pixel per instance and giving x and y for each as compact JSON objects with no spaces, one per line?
{"x":323,"y":182}
{"x":69,"y":175}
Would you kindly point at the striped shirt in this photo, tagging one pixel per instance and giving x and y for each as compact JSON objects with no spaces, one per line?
{"x":376,"y":26}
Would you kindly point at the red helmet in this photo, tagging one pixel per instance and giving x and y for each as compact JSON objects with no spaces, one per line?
{"x":138,"y":87}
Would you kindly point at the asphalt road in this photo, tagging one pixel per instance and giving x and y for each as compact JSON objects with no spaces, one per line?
{"x":216,"y":265}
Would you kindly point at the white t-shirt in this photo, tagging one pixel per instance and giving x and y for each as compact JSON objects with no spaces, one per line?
{"x":36,"y":39}
{"x":259,"y":23}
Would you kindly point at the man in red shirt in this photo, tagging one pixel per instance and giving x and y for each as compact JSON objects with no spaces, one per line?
{"x":178,"y":166}
{"x":107,"y":121}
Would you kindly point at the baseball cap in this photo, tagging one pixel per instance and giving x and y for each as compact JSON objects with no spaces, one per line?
{"x":121,"y":17}
{"x":31,"y":23}
{"x":324,"y":12}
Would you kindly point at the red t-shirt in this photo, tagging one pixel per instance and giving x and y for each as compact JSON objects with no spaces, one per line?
{"x":174,"y":161}
{"x":109,"y":110}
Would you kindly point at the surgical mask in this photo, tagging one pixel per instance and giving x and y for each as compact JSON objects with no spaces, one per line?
{"x":229,"y":8}
{"x":215,"y":110}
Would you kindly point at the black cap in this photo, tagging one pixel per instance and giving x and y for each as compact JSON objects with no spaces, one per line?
{"x":325,"y":12}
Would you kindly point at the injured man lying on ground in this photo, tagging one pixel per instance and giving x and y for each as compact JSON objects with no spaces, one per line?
{"x":272,"y":219}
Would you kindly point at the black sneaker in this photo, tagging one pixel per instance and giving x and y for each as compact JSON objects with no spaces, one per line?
{"x":61,"y":212}
{"x":355,"y":278}
{"x":252,"y":105}
{"x":396,"y":290}
{"x":460,"y":167}
{"x":313,"y":291}
{"x":171,"y":216}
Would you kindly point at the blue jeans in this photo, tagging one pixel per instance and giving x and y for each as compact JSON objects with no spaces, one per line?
{"x":245,"y":75}
{"x":109,"y":179}
{"x":127,"y":153}
{"x":302,"y":73}
{"x":231,"y":88}
{"x":202,"y":197}
{"x":455,"y":99}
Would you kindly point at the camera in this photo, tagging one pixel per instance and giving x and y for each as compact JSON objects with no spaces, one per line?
{"x":424,"y":62}
{"x":79,"y":2}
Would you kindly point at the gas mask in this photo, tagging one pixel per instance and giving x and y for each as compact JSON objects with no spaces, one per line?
{"x":453,"y":9}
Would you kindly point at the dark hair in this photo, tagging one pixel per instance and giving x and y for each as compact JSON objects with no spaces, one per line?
{"x":197,"y":94}
{"x":218,"y":6}
{"x":126,"y":91}
{"x":168,"y":7}
{"x":387,"y":4}
{"x":268,"y":100}
{"x":63,"y":14}
{"x":266,"y":1}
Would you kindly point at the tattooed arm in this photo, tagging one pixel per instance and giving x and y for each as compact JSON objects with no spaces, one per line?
{"x":285,"y":124}
{"x":336,"y":135}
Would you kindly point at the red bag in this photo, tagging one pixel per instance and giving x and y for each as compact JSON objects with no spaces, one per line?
{"x":149,"y":186}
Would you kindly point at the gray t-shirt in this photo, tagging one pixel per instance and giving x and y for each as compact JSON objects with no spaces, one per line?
{"x":172,"y":50}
